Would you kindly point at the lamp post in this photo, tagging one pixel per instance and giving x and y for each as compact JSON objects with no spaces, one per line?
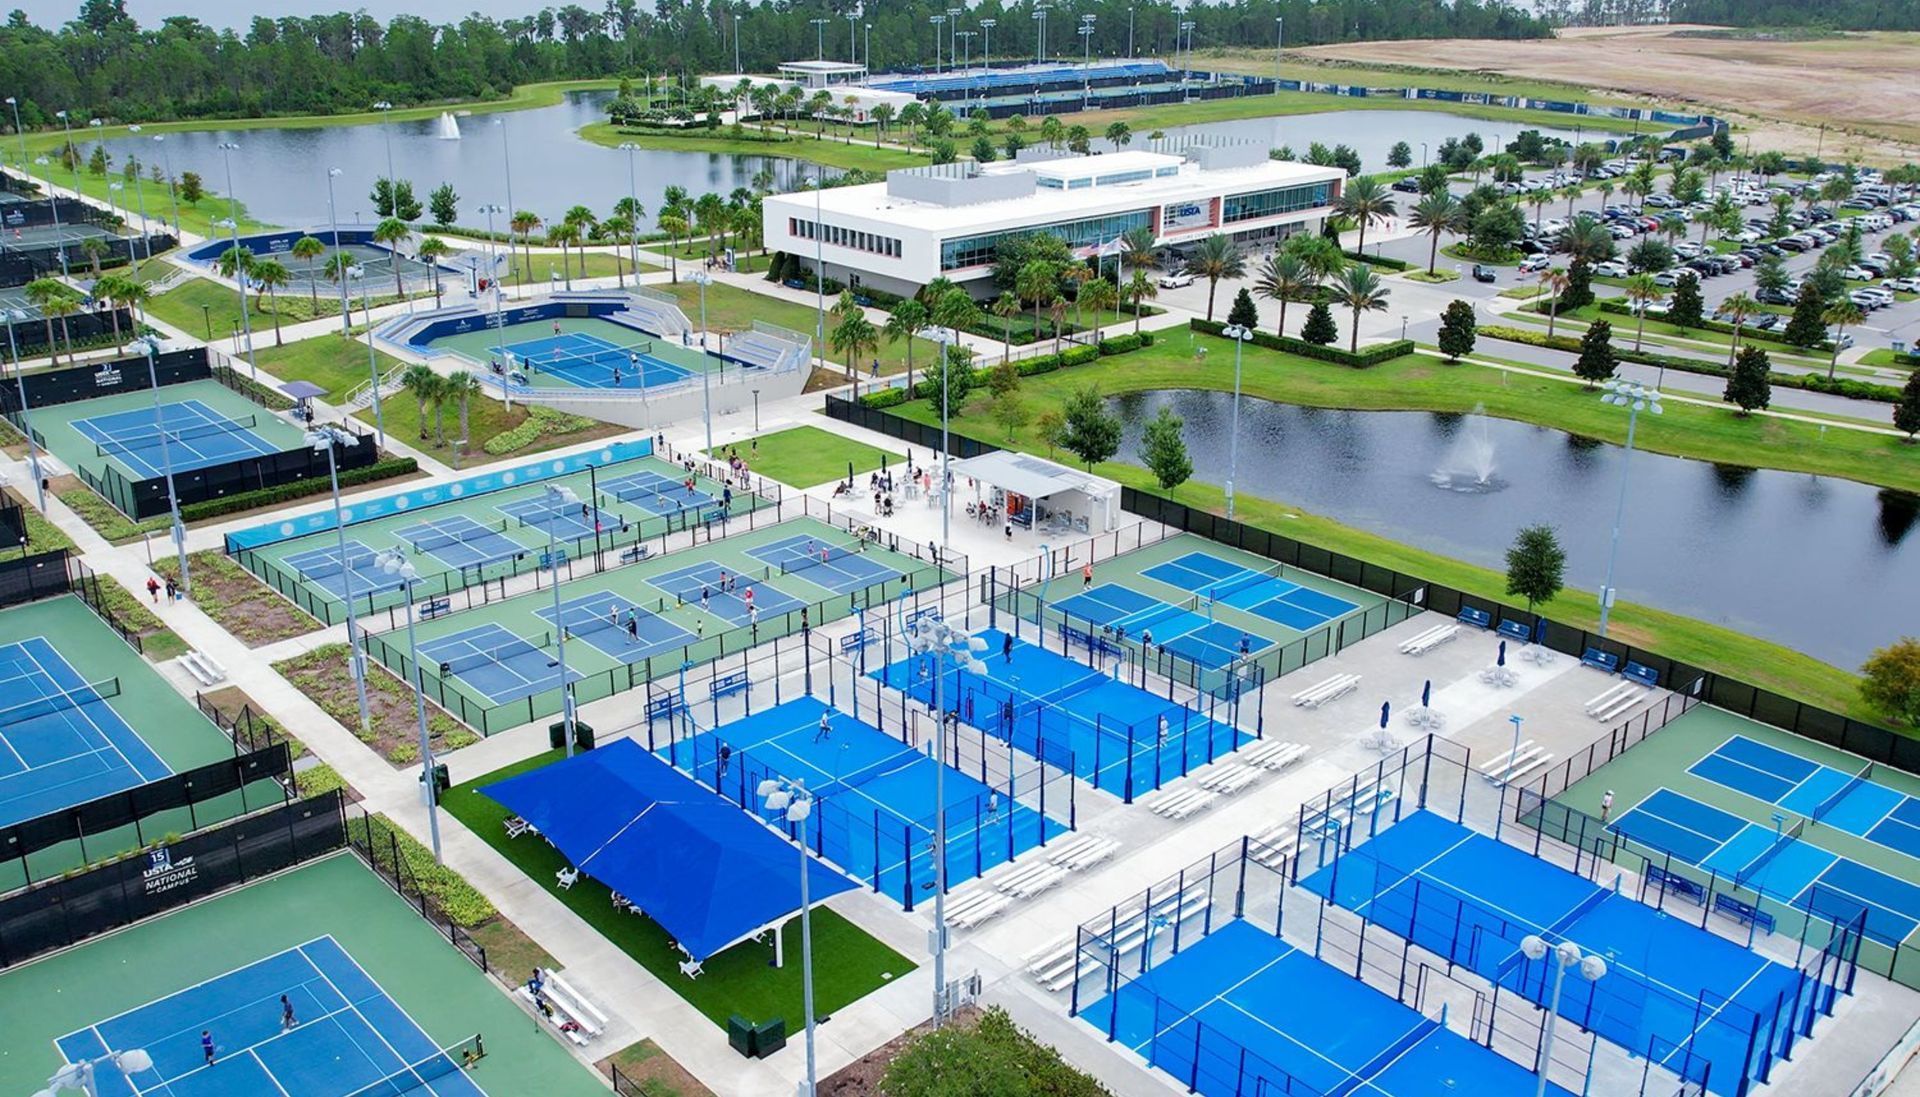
{"x":324,"y":439}
{"x":359,"y":274}
{"x":736,"y":43}
{"x":394,"y":562}
{"x":1040,"y":34}
{"x":941,"y":336}
{"x":1423,"y":154}
{"x":386,"y":131}
{"x":866,"y":35}
{"x":499,"y":321}
{"x":1129,"y":32}
{"x":929,"y":636}
{"x":1632,"y":396}
{"x":1279,"y":35}
{"x":1086,"y":59}
{"x":819,"y":37}
{"x":702,"y":279}
{"x":953,"y":28}
{"x":853,"y":38}
{"x":19,"y":316}
{"x":53,"y":204}
{"x":333,"y":218}
{"x":794,"y":802}
{"x":559,"y":497}
{"x":966,"y":67}
{"x":986,"y":43}
{"x":936,"y":20}
{"x":173,"y":189}
{"x":1186,"y":28}
{"x":1239,"y":335}
{"x":227,"y":148}
{"x":506,"y":173}
{"x":150,"y":346}
{"x":81,"y":1075}
{"x":820,"y":261}
{"x":633,"y":199}
{"x":18,"y":131}
{"x":1565,"y":955}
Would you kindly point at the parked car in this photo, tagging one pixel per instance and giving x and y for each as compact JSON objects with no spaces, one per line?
{"x":1484,"y":273}
{"x":1409,"y":185}
{"x":1671,"y":278}
{"x":1612,"y":268}
{"x":1773,"y":297}
{"x":1533,"y":264}
{"x":1902,"y":285}
{"x":1176,"y":280}
{"x":1662,"y":201}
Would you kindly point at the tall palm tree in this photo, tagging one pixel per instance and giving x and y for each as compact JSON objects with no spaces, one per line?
{"x":1215,"y":258}
{"x":95,"y":249}
{"x":1282,"y":277}
{"x":432,"y":249}
{"x":235,"y":262}
{"x":1434,"y":214}
{"x":1739,"y":306}
{"x":59,"y":309}
{"x":268,"y":276}
{"x":954,"y":309}
{"x":566,"y":236}
{"x":1057,"y":312}
{"x":525,"y":222}
{"x":582,"y":220}
{"x":1643,"y":291}
{"x":1097,"y":294}
{"x":1587,"y":240}
{"x":423,"y":384}
{"x":675,"y":226}
{"x":42,"y":292}
{"x":1554,"y":282}
{"x":462,"y":386}
{"x":1365,"y":200}
{"x":338,"y":268}
{"x":903,"y":324}
{"x":393,"y":232}
{"x":853,"y":336}
{"x":1358,"y":288}
{"x":1036,"y":281}
{"x":106,"y":289}
{"x":1839,"y":314}
{"x":1538,"y":198}
{"x":307,"y":249}
{"x":1076,"y":274}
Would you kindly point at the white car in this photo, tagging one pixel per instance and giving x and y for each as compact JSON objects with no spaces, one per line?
{"x":1176,"y":280}
{"x":1902,"y":285}
{"x":1670,"y":278}
{"x":1612,"y":269}
{"x":1533,"y":264}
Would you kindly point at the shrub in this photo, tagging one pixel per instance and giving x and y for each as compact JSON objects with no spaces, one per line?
{"x":1121,"y":344}
{"x":1385,"y":262}
{"x":885,"y":398}
{"x":540,"y":420}
{"x":1811,"y":382}
{"x":449,"y":892}
{"x":298,"y":489}
{"x":1368,"y":356}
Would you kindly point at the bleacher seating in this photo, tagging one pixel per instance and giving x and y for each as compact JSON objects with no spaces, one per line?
{"x":203,"y":668}
{"x":1053,"y":967}
{"x":1430,"y":639}
{"x":1327,"y":691}
{"x":577,"y":1019}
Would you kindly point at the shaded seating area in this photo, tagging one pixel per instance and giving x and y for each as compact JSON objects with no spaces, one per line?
{"x":710,"y":875}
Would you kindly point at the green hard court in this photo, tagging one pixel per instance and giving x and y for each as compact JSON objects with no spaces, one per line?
{"x":444,"y":993}
{"x":506,"y":531}
{"x":503,"y":652}
{"x":67,"y":441}
{"x":581,"y":333}
{"x":1670,"y":777}
{"x":165,"y":720}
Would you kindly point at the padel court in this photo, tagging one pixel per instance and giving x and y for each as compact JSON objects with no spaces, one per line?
{"x":192,"y":434}
{"x":589,"y":361}
{"x":62,"y":742}
{"x":350,"y":1039}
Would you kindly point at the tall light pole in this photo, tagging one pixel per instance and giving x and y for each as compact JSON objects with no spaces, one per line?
{"x":1040,"y":34}
{"x":19,"y":316}
{"x":373,"y":365}
{"x":853,"y":38}
{"x":140,"y":194}
{"x":560,"y":498}
{"x":53,"y":203}
{"x":1632,"y":396}
{"x":81,"y":1075}
{"x":392,"y":561}
{"x":941,"y":336}
{"x":936,"y":20}
{"x":1186,"y":28}
{"x":1239,"y":335}
{"x":1085,"y":32}
{"x":499,"y":320}
{"x":1129,"y":32}
{"x":506,"y":173}
{"x":986,"y":43}
{"x":931,"y":637}
{"x":820,"y":262}
{"x":736,"y":43}
{"x":1279,"y":32}
{"x":702,"y":279}
{"x":1565,"y":955}
{"x":18,"y":131}
{"x":324,"y":439}
{"x":173,"y":189}
{"x":867,"y":38}
{"x":386,"y":132}
{"x":819,"y":37}
{"x":966,"y":68}
{"x":150,"y":346}
{"x":333,"y":218}
{"x":794,"y":802}
{"x":227,"y":149}
{"x":953,"y":28}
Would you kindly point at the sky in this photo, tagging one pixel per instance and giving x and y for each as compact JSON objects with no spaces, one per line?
{"x":149,"y":13}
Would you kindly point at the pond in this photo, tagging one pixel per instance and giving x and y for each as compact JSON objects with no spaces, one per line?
{"x":1822,"y":565}
{"x":1372,"y":133}
{"x":281,"y":174}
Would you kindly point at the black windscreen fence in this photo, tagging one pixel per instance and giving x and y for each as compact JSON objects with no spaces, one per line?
{"x":31,"y":578}
{"x":146,"y":498}
{"x":67,"y":386}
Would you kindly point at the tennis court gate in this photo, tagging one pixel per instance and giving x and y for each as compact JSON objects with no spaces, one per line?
{"x":65,"y":911}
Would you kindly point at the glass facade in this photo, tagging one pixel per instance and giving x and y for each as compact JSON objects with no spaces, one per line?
{"x":975,"y":251}
{"x":1272,"y":203}
{"x":845,"y":238}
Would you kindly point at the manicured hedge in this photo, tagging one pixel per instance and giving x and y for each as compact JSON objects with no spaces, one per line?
{"x":298,"y":489}
{"x":1368,"y":356}
{"x":1621,"y":308}
{"x":1386,"y":261}
{"x":1032,"y":367}
{"x":1811,"y":382}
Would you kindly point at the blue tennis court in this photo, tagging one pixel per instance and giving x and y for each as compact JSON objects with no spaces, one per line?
{"x":565,"y":523}
{"x":656,"y":494}
{"x":325,"y":568}
{"x":1852,"y":802}
{"x":874,"y":795}
{"x":195,"y":436}
{"x":734,"y":606}
{"x":839,"y":568}
{"x":496,"y":663}
{"x":1178,"y":629}
{"x":1673,"y":991}
{"x":1262,"y":592}
{"x":1241,"y":1012}
{"x":461,"y":542}
{"x":350,"y":1038}
{"x":602,"y":618}
{"x":592,"y":362}
{"x":61,"y":740}
{"x":1761,"y":857}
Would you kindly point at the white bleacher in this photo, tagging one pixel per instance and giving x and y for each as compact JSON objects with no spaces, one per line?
{"x":1272,"y":754}
{"x":1228,"y":777}
{"x":1621,"y":698}
{"x":1513,"y":765}
{"x":1327,"y":691}
{"x":204,"y":669}
{"x":569,"y":1005}
{"x":1430,"y":639}
{"x":1053,"y":966}
{"x":756,"y":349}
{"x":1273,"y":845}
{"x":1181,"y":802}
{"x":1038,"y":871}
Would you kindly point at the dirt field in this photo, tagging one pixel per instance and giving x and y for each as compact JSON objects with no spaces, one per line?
{"x":1860,"y":85}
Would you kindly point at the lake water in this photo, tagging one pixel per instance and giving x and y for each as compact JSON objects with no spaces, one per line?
{"x":1372,"y":133}
{"x":1822,"y":565}
{"x":281,"y":174}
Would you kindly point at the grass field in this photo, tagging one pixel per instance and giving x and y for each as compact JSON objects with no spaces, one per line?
{"x":546,"y":266}
{"x":1883,"y":356}
{"x":849,"y":963}
{"x":733,"y":309}
{"x":205,"y":309}
{"x":1297,"y":65}
{"x":805,"y":456}
{"x":831,"y":151}
{"x":444,"y":994}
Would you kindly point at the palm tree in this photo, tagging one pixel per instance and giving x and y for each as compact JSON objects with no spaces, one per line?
{"x":432,"y":249}
{"x":1037,"y":281}
{"x":269,"y":275}
{"x":1360,"y":289}
{"x":234,"y":263}
{"x":424,"y":384}
{"x":1643,"y":291}
{"x":338,"y":267}
{"x":42,"y":292}
{"x":95,"y":250}
{"x":911,"y":115}
{"x":307,"y":249}
{"x":616,"y":227}
{"x":1282,"y":277}
{"x":106,"y":289}
{"x":1739,"y":306}
{"x":1554,"y":282}
{"x":1097,"y":294}
{"x":524,"y":222}
{"x":1538,"y":199}
{"x":1839,"y":314}
{"x":1365,"y":200}
{"x":564,"y":235}
{"x":854,"y":335}
{"x":1140,"y":287}
{"x":127,"y":294}
{"x":1587,"y":240}
{"x":462,"y":386}
{"x":1434,"y":214}
{"x":1076,"y":274}
{"x":582,"y":220}
{"x":675,"y":226}
{"x":882,"y":115}
{"x":60,"y":308}
{"x":1057,"y":313}
{"x":903,"y":323}
{"x":393,"y":232}
{"x":1217,"y":257}
{"x":1006,"y":307}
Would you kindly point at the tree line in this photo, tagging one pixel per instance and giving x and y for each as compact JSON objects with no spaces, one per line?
{"x":104,"y":64}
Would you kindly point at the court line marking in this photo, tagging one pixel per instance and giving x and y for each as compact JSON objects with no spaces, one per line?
{"x":405,"y":1063}
{"x":1640,"y":804}
{"x":395,"y":1002}
{"x":131,"y":730}
{"x":1821,"y":881}
{"x":1793,"y":786}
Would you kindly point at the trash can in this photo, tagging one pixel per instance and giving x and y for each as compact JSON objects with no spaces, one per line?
{"x":769,"y":1037}
{"x":440,"y":784}
{"x":740,"y":1035}
{"x":557,"y":735}
{"x":582,"y":736}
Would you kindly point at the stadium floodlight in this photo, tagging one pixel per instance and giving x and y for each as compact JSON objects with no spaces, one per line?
{"x":393,"y":562}
{"x":82,"y":1075}
{"x":149,"y":346}
{"x":1566,"y":955}
{"x":560,"y":499}
{"x":326,"y":439}
{"x":1239,"y":334}
{"x":793,"y":802}
{"x":1635,"y":397}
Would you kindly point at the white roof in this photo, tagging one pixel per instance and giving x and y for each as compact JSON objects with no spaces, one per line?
{"x":1033,"y":477}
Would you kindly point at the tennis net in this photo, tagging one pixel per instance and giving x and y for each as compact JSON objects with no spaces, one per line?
{"x":1385,"y":1058}
{"x":1147,"y":619}
{"x":415,"y":1077}
{"x":1785,"y":838}
{"x":1843,"y":792}
{"x":606,"y":357}
{"x":497,"y":654}
{"x":627,"y":493}
{"x":1078,"y":685}
{"x":334,"y":565}
{"x":433,"y":538}
{"x":898,"y":762}
{"x":1241,"y":582}
{"x":544,"y":519}
{"x":1581,"y":909}
{"x":826,"y":554}
{"x":58,"y":702}
{"x":149,"y":439}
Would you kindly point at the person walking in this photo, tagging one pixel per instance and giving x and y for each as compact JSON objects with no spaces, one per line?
{"x":1606,"y":805}
{"x":153,"y":590}
{"x":633,"y":627}
{"x":726,"y":755}
{"x":287,"y":1019}
{"x":826,"y":728}
{"x":1006,"y":647}
{"x":1086,"y":575}
{"x":206,"y":1045}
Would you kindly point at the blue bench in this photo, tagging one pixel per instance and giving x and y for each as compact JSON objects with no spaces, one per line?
{"x":728,"y":684}
{"x":1745,"y":913}
{"x":1675,"y":884}
{"x":1478,"y":618}
{"x":853,"y":643}
{"x":550,"y":561}
{"x":663,"y":707}
{"x":434,"y":607}
{"x":1070,"y":636}
{"x":1641,"y":673}
{"x":634,"y":555}
{"x":1514,"y":630}
{"x":1600,"y":660}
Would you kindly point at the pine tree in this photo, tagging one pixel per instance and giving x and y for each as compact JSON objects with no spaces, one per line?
{"x":1806,"y":328}
{"x":1457,"y":330}
{"x":1906,"y":413}
{"x":1685,"y":310}
{"x":1243,"y":311}
{"x":1597,"y":361}
{"x":1579,"y":292}
{"x":1320,"y":329}
{"x":1749,"y":386}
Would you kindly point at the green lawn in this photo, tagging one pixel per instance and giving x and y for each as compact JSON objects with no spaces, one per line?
{"x":331,"y":361}
{"x":805,"y":456}
{"x":730,"y":308}
{"x":1883,"y":356}
{"x":592,"y":264}
{"x":849,"y":963}
{"x":1625,"y":326}
{"x":205,"y":309}
{"x":1297,"y":67}
{"x":831,"y":151}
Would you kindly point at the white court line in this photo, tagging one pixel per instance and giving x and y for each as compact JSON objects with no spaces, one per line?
{"x":102,"y":732}
{"x":1711,"y":1017}
{"x":395,"y":1003}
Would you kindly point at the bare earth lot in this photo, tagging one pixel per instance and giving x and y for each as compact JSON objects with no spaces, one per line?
{"x":1860,"y":85}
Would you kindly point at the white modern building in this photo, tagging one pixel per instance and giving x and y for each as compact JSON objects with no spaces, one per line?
{"x":947,"y":219}
{"x":844,"y":81}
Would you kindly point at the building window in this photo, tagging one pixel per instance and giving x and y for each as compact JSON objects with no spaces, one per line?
{"x":1079,"y":184}
{"x":1164,"y":172}
{"x":1051,"y":183}
{"x":1272,"y":203}
{"x":842,"y":237}
{"x":974,"y":251}
{"x":1123,"y":177}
